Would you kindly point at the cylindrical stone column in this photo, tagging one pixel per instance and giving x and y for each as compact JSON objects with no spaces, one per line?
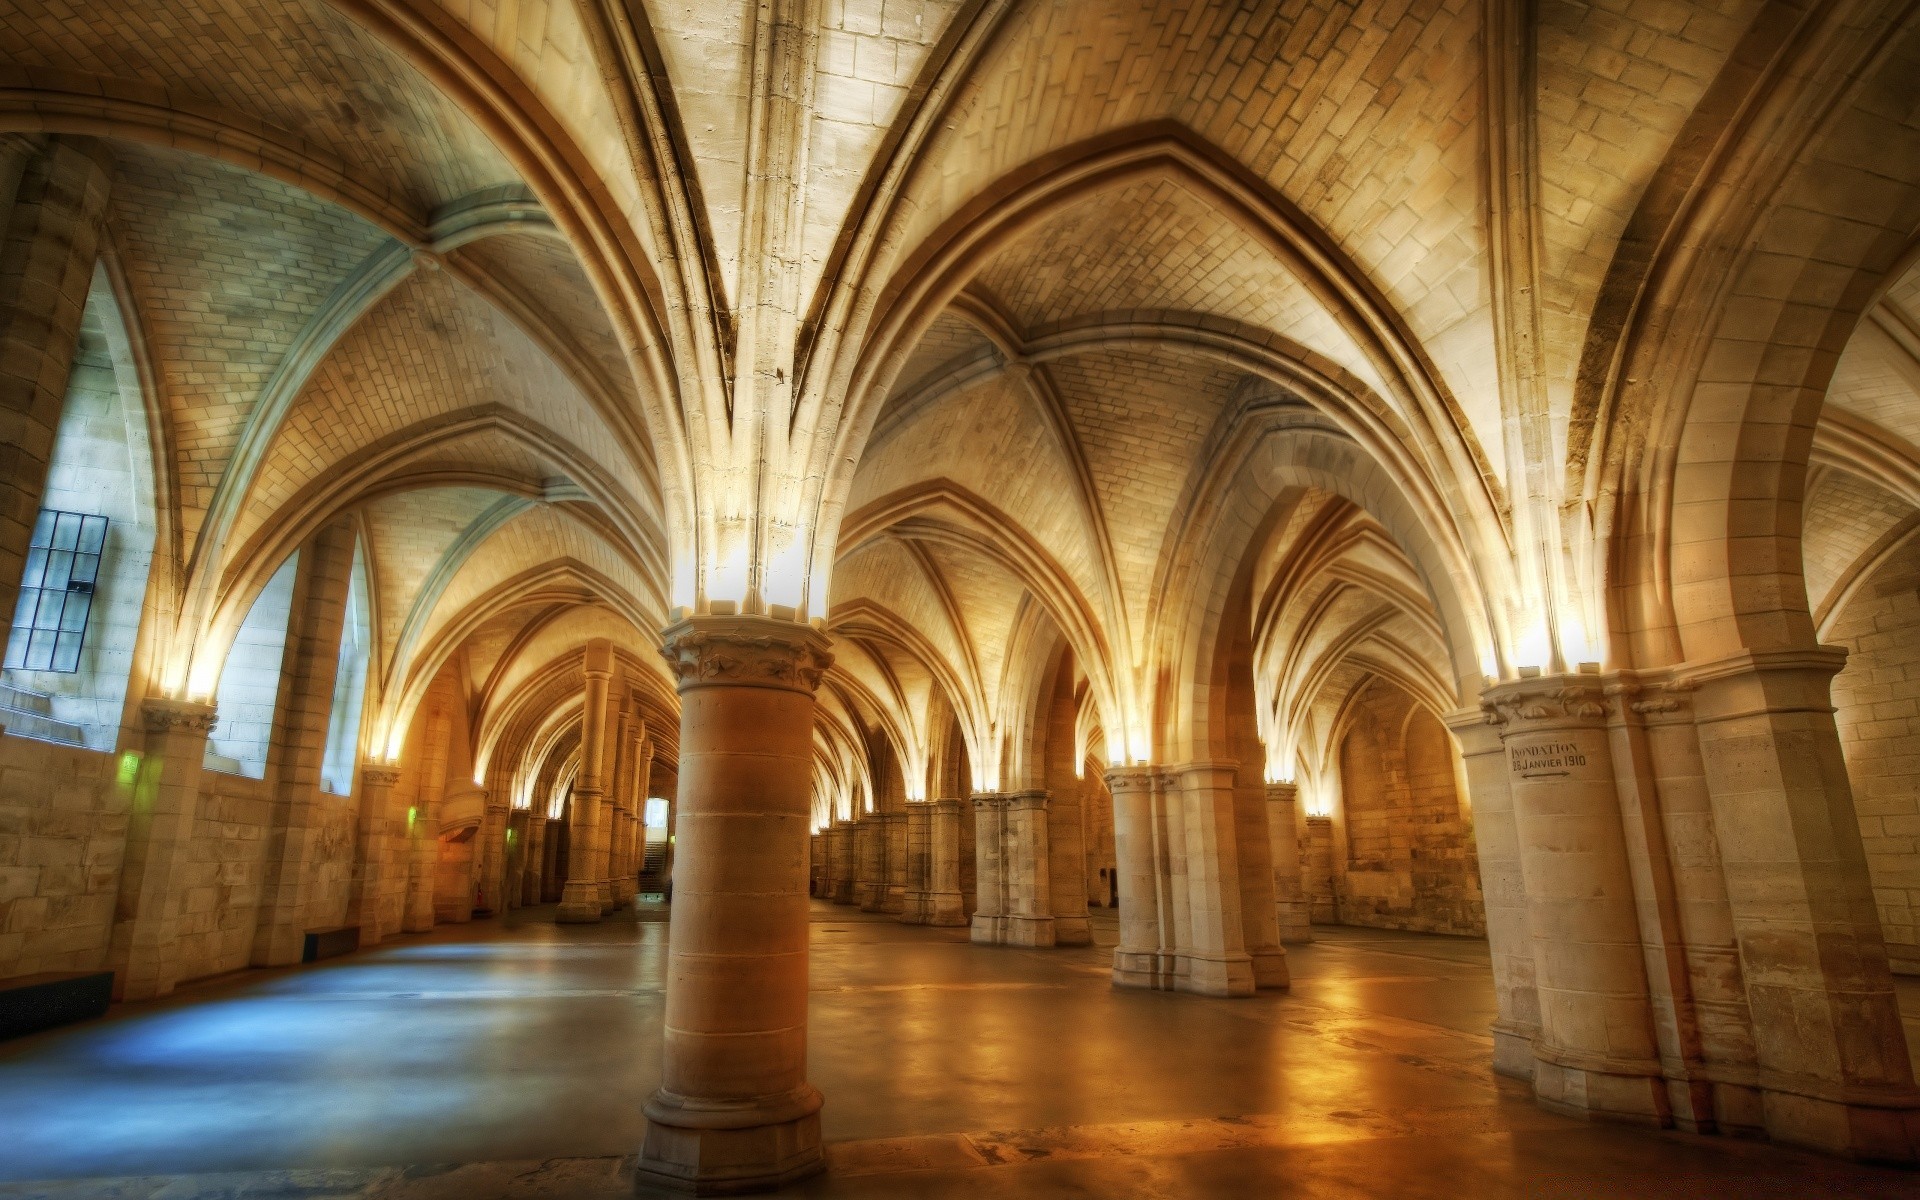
{"x":1137,"y":960}
{"x":918,"y":905}
{"x":870,"y":855}
{"x":1214,"y":959}
{"x":893,"y":827}
{"x":989,"y":854}
{"x":841,"y":839}
{"x":584,"y":900}
{"x":144,"y":951}
{"x":1025,"y":871}
{"x":423,"y":830}
{"x":1496,"y":837}
{"x":1596,"y":1052}
{"x":492,"y":866}
{"x":375,"y":822}
{"x":735,"y":1111}
{"x":1289,"y":883}
{"x":534,"y":881}
{"x":1835,"y":1072}
{"x":946,"y":904}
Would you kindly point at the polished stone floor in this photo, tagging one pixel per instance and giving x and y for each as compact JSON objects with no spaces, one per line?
{"x":511,"y":1058}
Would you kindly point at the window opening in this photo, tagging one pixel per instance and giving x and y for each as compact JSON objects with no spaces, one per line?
{"x":56,"y":591}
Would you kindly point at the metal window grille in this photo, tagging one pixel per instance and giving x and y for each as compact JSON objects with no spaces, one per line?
{"x":56,"y":593}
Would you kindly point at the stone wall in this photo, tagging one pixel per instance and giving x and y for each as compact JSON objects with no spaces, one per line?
{"x":63,"y":831}
{"x":1877,"y":703}
{"x":1410,"y":861}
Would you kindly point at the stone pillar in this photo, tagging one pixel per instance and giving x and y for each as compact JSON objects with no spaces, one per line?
{"x":1834,"y":1071}
{"x":990,"y":886}
{"x":637,"y":816}
{"x":582,"y":901}
{"x":870,"y":867}
{"x":304,"y":709}
{"x":1025,"y":866}
{"x":493,"y":864}
{"x":1138,"y":960}
{"x":1291,"y":906}
{"x":1595,"y":1053}
{"x":917,"y":906}
{"x":1214,"y":962}
{"x":845,"y":858}
{"x":370,"y":861}
{"x":1259,"y":910}
{"x":606,"y":778}
{"x":735,"y":1111}
{"x":893,"y":827}
{"x":143,"y":950}
{"x":534,"y":885}
{"x":423,"y":830}
{"x":946,"y":905}
{"x":1067,"y":865}
{"x":48,"y":249}
{"x":1509,"y":935}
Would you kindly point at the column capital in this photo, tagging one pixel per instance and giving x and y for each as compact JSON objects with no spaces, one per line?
{"x":1756,"y":682}
{"x":1215,"y":767}
{"x":1283,"y":793}
{"x":744,"y":651}
{"x":1036,"y":799}
{"x":166,"y":715}
{"x":945,"y":804}
{"x":1545,"y":701}
{"x":380,"y":774}
{"x":984,"y":801}
{"x":1140,"y":777}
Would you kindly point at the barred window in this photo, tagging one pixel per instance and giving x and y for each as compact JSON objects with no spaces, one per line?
{"x":56,"y":592}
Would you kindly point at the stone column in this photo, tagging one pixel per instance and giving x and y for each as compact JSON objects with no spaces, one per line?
{"x":423,"y":830}
{"x":308,"y":667}
{"x":735,"y":1111}
{"x":1067,"y":865}
{"x":1509,"y":935}
{"x":1138,"y":960}
{"x":143,"y":950}
{"x":946,"y":905}
{"x":990,"y":885}
{"x":893,"y":827}
{"x":606,"y":777}
{"x":845,"y":860}
{"x":1026,"y":870}
{"x":582,"y":901}
{"x":47,"y":254}
{"x":370,"y":861}
{"x":1834,"y":1070}
{"x":493,"y":838}
{"x":870,"y":867}
{"x":636,"y":824}
{"x":534,"y":885}
{"x":1259,"y":910}
{"x":1291,"y":906}
{"x":1595,"y":1053}
{"x":917,"y":907}
{"x":1214,"y":961}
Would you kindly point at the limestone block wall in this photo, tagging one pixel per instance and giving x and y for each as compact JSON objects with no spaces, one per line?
{"x":226,"y":867}
{"x":1410,"y":859}
{"x":63,"y":829}
{"x":1877,"y":707}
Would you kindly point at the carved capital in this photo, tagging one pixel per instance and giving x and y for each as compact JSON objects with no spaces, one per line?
{"x":382,"y":775}
{"x":1549,"y":698}
{"x":1132,"y":779}
{"x":746,"y":652}
{"x":1035,"y":799}
{"x":178,"y":716}
{"x":1283,"y":793}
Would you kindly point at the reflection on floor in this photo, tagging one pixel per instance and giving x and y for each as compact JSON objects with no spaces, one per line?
{"x":511,"y":1059}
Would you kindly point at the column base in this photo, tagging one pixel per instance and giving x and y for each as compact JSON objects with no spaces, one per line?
{"x":1270,"y":968}
{"x":1072,"y":931}
{"x":579,"y":905}
{"x":1028,"y":931}
{"x":1142,"y":969}
{"x":989,"y":930}
{"x":1296,"y":926}
{"x":1886,"y":1132}
{"x":1633,"y":1099}
{"x":917,"y":909}
{"x":730,"y":1150}
{"x":895,"y":901}
{"x":607,"y":904}
{"x":1228,"y":975}
{"x":948,"y":909}
{"x":1513,"y":1052}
